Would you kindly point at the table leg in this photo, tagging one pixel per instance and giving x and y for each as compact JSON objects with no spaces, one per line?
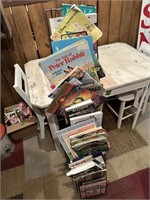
{"x":53,"y":125}
{"x":140,"y":106}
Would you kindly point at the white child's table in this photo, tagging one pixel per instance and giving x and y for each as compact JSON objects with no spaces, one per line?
{"x":126,"y":69}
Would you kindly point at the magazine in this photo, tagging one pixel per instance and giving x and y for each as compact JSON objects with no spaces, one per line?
{"x":58,"y":65}
{"x":76,"y":21}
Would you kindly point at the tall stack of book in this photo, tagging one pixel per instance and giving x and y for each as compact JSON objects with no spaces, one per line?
{"x":74,"y":73}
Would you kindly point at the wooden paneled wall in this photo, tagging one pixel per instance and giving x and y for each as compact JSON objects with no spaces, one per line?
{"x":117,"y":19}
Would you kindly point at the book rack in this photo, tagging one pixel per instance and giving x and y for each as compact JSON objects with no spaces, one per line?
{"x":86,"y":138}
{"x":56,"y":12}
{"x":51,"y":13}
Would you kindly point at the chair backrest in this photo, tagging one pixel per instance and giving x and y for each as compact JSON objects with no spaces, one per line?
{"x":20,"y":84}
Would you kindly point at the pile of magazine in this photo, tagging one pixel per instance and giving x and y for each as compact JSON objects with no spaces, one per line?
{"x":74,"y":73}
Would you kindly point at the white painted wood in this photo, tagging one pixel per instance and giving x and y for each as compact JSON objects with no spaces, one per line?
{"x":123,"y":64}
{"x":38,"y":84}
{"x":18,"y":86}
{"x":126,"y":70}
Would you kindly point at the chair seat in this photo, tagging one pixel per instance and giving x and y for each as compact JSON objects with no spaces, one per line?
{"x":126,"y":97}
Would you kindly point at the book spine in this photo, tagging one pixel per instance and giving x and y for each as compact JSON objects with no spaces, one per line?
{"x":65,"y":147}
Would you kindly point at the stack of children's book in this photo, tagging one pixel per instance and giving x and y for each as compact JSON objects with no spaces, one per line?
{"x":74,"y":73}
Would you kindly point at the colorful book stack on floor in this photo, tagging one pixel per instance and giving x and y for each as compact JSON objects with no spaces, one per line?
{"x":89,"y":176}
{"x":74,"y":74}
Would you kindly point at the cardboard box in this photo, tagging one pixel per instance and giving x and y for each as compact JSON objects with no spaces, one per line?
{"x":21,"y":130}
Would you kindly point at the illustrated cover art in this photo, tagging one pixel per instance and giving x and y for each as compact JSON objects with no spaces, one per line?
{"x":60,"y":44}
{"x":76,"y":21}
{"x":85,"y":9}
{"x":58,"y":65}
{"x":54,"y":22}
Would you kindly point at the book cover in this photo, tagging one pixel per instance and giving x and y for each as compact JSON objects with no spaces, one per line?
{"x":60,"y":44}
{"x":91,"y":148}
{"x":93,"y":189}
{"x":77,"y":95}
{"x":77,"y":128}
{"x":58,"y":65}
{"x":54,"y":22}
{"x":95,"y":134}
{"x":85,"y":9}
{"x":96,"y":115}
{"x":60,"y":96}
{"x":77,"y":77}
{"x":63,"y":136}
{"x":76,"y":21}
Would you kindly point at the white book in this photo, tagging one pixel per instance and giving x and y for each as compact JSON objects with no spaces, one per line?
{"x":79,"y":105}
{"x":82,"y":167}
{"x":98,"y":116}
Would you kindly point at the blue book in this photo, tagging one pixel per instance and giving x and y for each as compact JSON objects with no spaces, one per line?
{"x":60,"y":44}
{"x":85,"y":9}
{"x":58,"y":65}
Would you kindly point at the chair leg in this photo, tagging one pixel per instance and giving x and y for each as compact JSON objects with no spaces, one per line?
{"x":121,"y":111}
{"x":140,"y":106}
{"x":42,"y":125}
{"x":146,"y":101}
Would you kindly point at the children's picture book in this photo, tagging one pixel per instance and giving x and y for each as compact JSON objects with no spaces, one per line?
{"x":85,"y":9}
{"x":58,"y":65}
{"x":77,"y":128}
{"x":63,"y":136}
{"x":59,"y":97}
{"x":60,"y":44}
{"x":78,"y":95}
{"x":96,"y":115}
{"x":54,"y":22}
{"x":76,"y":21}
{"x":76,"y":77}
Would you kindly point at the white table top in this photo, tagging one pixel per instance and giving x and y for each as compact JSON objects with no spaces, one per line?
{"x":122,"y":64}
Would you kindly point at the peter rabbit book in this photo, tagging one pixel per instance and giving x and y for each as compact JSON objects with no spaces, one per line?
{"x":58,"y":65}
{"x":76,"y":21}
{"x":60,"y":44}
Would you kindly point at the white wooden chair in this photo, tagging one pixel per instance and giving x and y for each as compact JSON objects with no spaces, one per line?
{"x":136,"y":107}
{"x":20,"y":85}
{"x":123,"y":99}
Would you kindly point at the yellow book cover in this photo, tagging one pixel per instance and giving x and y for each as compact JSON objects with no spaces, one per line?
{"x":76,"y":21}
